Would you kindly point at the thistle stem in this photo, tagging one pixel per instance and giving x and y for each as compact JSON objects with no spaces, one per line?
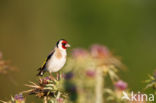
{"x":45,"y":100}
{"x":99,"y":86}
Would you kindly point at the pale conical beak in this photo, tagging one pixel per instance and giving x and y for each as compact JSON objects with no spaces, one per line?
{"x":67,"y":45}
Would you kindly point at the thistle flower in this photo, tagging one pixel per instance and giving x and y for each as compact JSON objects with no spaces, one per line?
{"x":19,"y":98}
{"x":48,"y":87}
{"x":121,"y":85}
{"x":91,"y":73}
{"x":93,"y":66}
{"x":60,"y":100}
{"x":79,"y":53}
{"x":99,"y":51}
{"x":45,"y":80}
{"x":73,"y":88}
{"x":68,"y":75}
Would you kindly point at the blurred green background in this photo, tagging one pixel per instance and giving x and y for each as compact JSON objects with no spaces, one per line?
{"x":29,"y":30}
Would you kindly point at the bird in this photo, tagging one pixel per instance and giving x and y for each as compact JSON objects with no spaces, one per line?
{"x":56,"y":59}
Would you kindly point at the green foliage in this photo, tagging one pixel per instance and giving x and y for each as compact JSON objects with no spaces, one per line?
{"x":151,"y":82}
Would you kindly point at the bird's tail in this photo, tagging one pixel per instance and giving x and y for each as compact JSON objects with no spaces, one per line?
{"x":41,"y":72}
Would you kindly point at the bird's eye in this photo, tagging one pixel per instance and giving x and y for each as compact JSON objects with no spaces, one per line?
{"x":63,"y":44}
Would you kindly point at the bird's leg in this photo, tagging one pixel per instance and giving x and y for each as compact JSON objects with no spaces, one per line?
{"x":57,"y":76}
{"x":51,"y":76}
{"x":61,"y":75}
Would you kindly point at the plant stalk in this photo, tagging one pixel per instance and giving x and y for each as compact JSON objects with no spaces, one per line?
{"x":99,"y":86}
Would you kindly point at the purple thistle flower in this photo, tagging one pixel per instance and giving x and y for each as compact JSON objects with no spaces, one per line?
{"x":99,"y":51}
{"x":60,"y":100}
{"x":90,"y":73}
{"x":121,"y":85}
{"x":68,"y":76}
{"x":73,"y":88}
{"x":45,"y":80}
{"x":79,"y":52}
{"x":19,"y":97}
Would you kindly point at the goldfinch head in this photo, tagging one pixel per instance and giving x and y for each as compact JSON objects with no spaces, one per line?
{"x":62,"y":44}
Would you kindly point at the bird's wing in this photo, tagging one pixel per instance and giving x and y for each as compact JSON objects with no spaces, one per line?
{"x":42,"y":69}
{"x":44,"y":63}
{"x":49,"y":56}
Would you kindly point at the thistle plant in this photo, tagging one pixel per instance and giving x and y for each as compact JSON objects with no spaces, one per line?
{"x":83,"y":79}
{"x":18,"y":98}
{"x":48,"y":88}
{"x":115,"y":94}
{"x":151,"y":82}
{"x":86,"y":71}
{"x":5,"y":65}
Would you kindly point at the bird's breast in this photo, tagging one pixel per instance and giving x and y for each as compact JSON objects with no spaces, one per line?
{"x":55,"y":64}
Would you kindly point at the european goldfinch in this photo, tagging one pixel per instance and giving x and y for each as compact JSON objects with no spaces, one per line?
{"x":56,"y":59}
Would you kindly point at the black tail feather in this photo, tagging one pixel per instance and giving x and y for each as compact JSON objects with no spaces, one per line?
{"x":41,"y":72}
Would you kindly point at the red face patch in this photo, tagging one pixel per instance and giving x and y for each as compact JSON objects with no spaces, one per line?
{"x":64,"y":44}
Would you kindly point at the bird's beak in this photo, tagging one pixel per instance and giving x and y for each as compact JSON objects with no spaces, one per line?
{"x":67,"y":45}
